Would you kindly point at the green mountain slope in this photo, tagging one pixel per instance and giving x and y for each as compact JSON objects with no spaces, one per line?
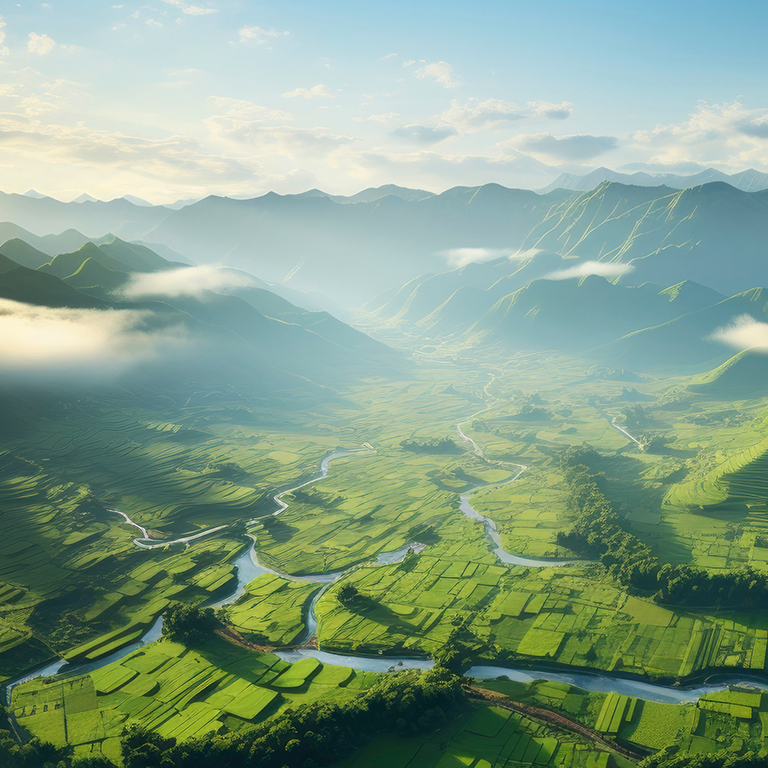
{"x":93,"y":277}
{"x":714,"y":234}
{"x":66,"y":264}
{"x":745,"y":375}
{"x":31,"y":286}
{"x":23,"y":253}
{"x":578,"y":315}
{"x":685,"y":341}
{"x":137,"y":257}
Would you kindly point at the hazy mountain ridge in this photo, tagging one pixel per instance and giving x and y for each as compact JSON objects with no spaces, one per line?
{"x":748,"y":181}
{"x":235,"y":341}
{"x":713,"y":234}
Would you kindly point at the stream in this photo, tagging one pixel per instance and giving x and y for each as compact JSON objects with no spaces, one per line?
{"x":248,"y":567}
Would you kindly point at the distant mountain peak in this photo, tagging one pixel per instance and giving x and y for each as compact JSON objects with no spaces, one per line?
{"x":137,"y":201}
{"x":747,"y":181}
{"x":34,"y":193}
{"x":85,"y":198}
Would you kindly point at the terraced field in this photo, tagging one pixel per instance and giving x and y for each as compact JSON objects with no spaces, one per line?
{"x":732,"y":719}
{"x":176,"y":691}
{"x":492,"y":737}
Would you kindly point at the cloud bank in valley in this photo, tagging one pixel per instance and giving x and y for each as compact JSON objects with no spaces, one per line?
{"x":51,"y":346}
{"x":587,"y":268}
{"x":187,"y":281}
{"x":743,"y":332}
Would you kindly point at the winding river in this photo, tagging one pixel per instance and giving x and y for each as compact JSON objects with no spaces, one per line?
{"x":248,"y":567}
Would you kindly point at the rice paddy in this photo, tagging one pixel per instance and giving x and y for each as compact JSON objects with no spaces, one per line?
{"x":73,"y":584}
{"x":176,"y":691}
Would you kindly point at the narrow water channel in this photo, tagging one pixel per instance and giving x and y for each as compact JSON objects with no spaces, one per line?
{"x":248,"y":567}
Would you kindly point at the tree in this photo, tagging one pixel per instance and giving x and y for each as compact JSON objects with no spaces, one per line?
{"x":188,"y":624}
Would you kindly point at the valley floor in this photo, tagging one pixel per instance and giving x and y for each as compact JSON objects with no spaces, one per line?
{"x":75,"y":585}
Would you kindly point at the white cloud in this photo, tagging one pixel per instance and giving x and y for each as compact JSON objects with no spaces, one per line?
{"x":3,"y":48}
{"x":744,"y":332}
{"x":551,"y":111}
{"x":727,"y":135}
{"x":187,"y":281}
{"x":385,"y":117}
{"x":440,"y":71}
{"x":191,"y":10}
{"x":423,"y":134}
{"x":40,"y":44}
{"x":153,"y":23}
{"x":257,"y":34}
{"x":586,"y":268}
{"x":476,"y":115}
{"x":285,"y":140}
{"x":175,"y":158}
{"x":240,"y":108}
{"x":460,"y":257}
{"x":74,"y":344}
{"x":315,"y":92}
{"x":575,"y":148}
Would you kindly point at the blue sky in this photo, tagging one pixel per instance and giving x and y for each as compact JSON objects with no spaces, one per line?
{"x":180,"y":98}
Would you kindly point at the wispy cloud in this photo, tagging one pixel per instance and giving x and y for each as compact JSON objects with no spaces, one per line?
{"x":586,"y":268}
{"x":3,"y":48}
{"x":423,"y":134}
{"x":476,"y":115}
{"x":460,"y":257}
{"x":575,"y":148}
{"x":191,"y":10}
{"x":320,"y":91}
{"x":743,"y":332}
{"x":257,"y":34}
{"x":188,"y":281}
{"x":440,"y":71}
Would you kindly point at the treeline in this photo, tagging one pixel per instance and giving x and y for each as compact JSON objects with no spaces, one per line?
{"x":439,"y":445}
{"x":314,"y":735}
{"x":598,"y":533}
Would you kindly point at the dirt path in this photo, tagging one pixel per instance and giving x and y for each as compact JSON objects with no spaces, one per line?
{"x":553,"y":718}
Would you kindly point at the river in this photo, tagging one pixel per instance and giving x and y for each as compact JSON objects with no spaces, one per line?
{"x":248,"y":567}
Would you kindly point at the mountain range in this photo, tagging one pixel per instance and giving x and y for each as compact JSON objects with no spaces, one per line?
{"x":748,"y":181}
{"x":512,"y":305}
{"x":347,"y":252}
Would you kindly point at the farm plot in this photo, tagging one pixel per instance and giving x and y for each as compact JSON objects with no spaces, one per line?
{"x":178,"y":692}
{"x":272,"y":609}
{"x":490,"y":736}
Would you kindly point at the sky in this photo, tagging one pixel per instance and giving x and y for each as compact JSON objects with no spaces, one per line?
{"x":177,"y":99}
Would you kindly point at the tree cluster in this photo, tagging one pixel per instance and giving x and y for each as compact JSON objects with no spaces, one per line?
{"x":443,"y":446}
{"x":188,"y":624}
{"x":598,"y":533}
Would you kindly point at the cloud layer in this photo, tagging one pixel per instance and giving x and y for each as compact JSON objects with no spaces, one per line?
{"x":188,"y":281}
{"x":51,"y":346}
{"x":587,"y":268}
